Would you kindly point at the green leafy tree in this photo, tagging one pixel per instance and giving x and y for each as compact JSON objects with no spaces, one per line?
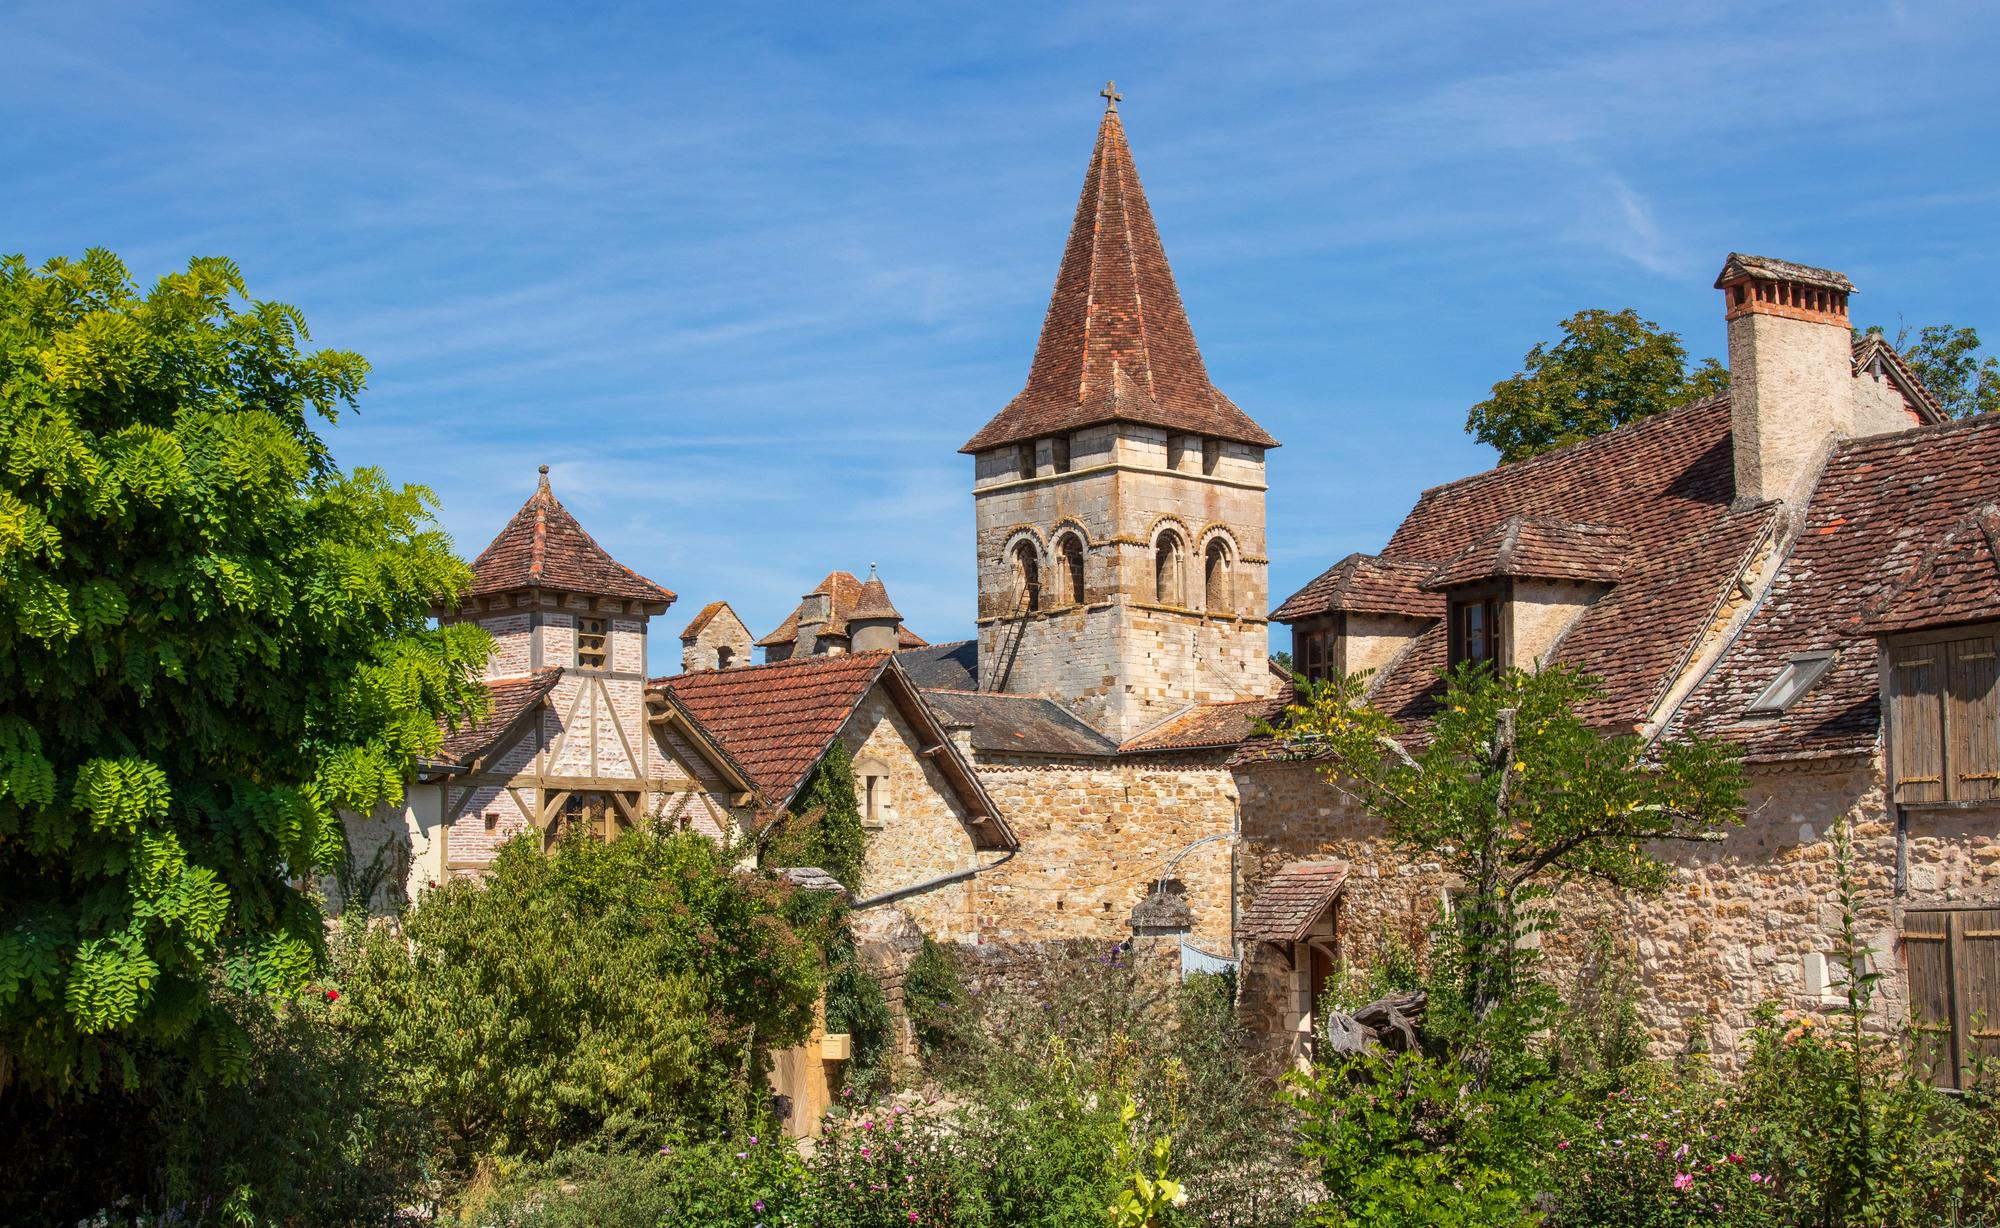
{"x":824,"y":826}
{"x":212,"y":642}
{"x":1609,"y":368}
{"x":1515,"y":794}
{"x":638,"y":981}
{"x":1947,"y":358}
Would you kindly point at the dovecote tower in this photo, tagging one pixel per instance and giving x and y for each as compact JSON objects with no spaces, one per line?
{"x":1120,"y":496}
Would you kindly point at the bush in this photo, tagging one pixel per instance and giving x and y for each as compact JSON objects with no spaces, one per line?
{"x":1668,"y":1149}
{"x":311,"y":1135}
{"x":934,"y":998}
{"x":638,"y":980}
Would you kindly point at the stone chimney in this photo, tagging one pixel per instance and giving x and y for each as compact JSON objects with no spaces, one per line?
{"x":1792,"y":387}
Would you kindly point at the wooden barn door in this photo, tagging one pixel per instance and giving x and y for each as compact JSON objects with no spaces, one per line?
{"x":1953,"y":960}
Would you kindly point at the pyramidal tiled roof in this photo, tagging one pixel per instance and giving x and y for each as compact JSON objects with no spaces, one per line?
{"x":543,"y":546}
{"x":847,"y":599}
{"x":1116,"y":344}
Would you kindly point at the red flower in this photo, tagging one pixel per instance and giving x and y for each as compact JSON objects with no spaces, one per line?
{"x":333,"y":995}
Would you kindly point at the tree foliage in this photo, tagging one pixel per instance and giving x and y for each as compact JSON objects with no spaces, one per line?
{"x":633,"y":981}
{"x":1609,"y":368}
{"x":1512,"y":791}
{"x":211,"y":642}
{"x":1948,"y":360}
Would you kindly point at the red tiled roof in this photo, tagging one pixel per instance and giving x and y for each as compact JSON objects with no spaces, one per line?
{"x":1116,"y":345}
{"x":1364,"y":583}
{"x":511,"y":698}
{"x":1666,"y":482}
{"x":1207,"y":726}
{"x":1882,"y":506}
{"x":851,"y":599}
{"x":1290,"y":901}
{"x":701,"y":620}
{"x":1540,"y":548}
{"x":1957,"y":581}
{"x":776,"y":720}
{"x":543,"y":546}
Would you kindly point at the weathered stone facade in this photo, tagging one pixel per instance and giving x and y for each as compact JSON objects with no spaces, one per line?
{"x":1094,"y":840}
{"x":1748,"y":919}
{"x":1148,"y":633}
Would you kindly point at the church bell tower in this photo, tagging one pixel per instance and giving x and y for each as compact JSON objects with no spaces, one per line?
{"x":1120,"y":497}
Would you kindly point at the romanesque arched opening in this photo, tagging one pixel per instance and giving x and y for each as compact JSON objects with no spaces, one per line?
{"x":1027,"y":577}
{"x":1216,"y":592}
{"x":1169,"y":570}
{"x":1071,"y":547}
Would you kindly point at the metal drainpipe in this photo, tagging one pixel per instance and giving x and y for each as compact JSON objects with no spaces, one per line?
{"x":940,"y":881}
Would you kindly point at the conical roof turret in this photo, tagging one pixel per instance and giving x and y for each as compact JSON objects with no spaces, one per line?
{"x":1116,"y":344}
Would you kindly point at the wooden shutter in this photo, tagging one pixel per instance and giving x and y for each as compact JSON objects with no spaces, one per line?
{"x":1927,"y":960}
{"x":1975,"y":981}
{"x":1916,"y":720}
{"x":1972,"y":748}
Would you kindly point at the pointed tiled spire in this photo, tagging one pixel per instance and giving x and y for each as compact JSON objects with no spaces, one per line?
{"x":1116,"y":344}
{"x":543,"y":546}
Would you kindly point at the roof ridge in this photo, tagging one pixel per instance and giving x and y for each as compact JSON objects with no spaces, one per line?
{"x":1859,"y":443}
{"x":1542,"y":459}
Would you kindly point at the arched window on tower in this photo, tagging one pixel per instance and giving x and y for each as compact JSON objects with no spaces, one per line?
{"x":1169,"y":570}
{"x":1217,"y":596}
{"x":1072,"y":568}
{"x":1027,"y":577}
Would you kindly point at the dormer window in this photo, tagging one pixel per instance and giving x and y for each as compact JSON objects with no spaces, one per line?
{"x":591,"y":641}
{"x":1475,"y":630}
{"x":1793,"y":681}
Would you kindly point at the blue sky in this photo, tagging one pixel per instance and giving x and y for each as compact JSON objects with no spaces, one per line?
{"x":747,"y":275}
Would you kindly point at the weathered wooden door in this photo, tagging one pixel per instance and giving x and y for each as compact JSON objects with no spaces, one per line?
{"x":1953,"y":960}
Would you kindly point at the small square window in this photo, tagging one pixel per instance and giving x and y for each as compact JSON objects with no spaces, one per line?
{"x":1792,"y":682}
{"x":590,"y":644}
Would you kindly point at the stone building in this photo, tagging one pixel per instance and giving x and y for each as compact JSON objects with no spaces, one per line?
{"x":715,"y":639}
{"x":1776,"y":567}
{"x":841,"y":614}
{"x":573,"y":736}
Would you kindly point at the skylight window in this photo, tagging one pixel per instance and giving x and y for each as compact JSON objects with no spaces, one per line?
{"x":1792,"y":682}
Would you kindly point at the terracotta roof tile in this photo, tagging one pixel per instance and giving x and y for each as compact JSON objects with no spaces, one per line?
{"x":1666,"y":483}
{"x":1116,"y":344}
{"x":1291,"y":900}
{"x":1365,"y":583}
{"x":543,"y":546}
{"x":1883,"y":509}
{"x":777,"y":719}
{"x":511,"y":697}
{"x":1207,"y":726}
{"x":1540,"y":548}
{"x":850,"y":599}
{"x":1957,"y":581}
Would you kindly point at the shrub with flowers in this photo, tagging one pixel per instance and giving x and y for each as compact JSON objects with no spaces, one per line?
{"x":1666,"y":1150}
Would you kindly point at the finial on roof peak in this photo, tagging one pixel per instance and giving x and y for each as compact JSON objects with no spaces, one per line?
{"x":1111,"y":97}
{"x":871,"y":571}
{"x":543,"y":483}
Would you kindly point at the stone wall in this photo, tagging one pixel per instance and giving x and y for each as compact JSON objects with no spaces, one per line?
{"x":1118,"y":653}
{"x":724,"y":630}
{"x":1748,"y":919}
{"x":922,"y":832}
{"x":1093,"y":839}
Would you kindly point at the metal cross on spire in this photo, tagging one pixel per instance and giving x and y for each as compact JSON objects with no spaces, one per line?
{"x":1110,"y":95}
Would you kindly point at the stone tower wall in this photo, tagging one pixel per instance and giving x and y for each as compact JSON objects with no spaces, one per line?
{"x":1122,"y":658}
